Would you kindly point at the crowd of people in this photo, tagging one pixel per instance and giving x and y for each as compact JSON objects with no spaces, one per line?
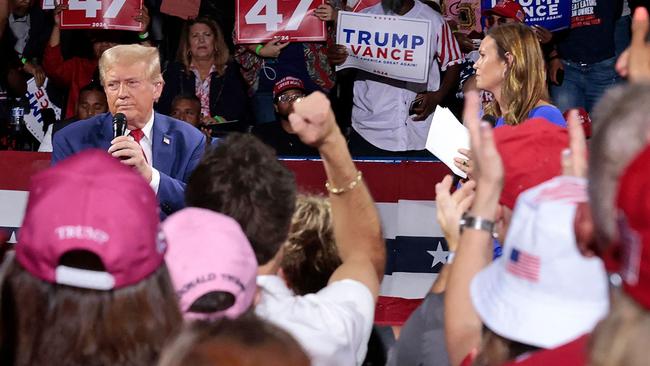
{"x":168,"y":232}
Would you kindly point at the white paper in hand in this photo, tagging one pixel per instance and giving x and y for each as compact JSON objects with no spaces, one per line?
{"x":446,"y":136}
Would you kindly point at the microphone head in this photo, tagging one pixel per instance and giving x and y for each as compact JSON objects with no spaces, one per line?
{"x":119,"y":124}
{"x":119,"y":118}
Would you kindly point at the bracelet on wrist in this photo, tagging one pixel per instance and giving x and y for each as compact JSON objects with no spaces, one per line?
{"x":450,"y":257}
{"x":350,"y":186}
{"x":143,"y":36}
{"x":478,"y":223}
{"x":258,"y":49}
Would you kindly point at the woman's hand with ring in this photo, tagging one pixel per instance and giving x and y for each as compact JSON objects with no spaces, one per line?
{"x":465,"y":164}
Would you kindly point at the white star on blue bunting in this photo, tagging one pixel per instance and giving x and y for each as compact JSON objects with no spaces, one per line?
{"x":439,"y":255}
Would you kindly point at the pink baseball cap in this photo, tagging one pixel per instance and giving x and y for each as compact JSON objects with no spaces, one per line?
{"x":208,"y":252}
{"x":94,"y":203}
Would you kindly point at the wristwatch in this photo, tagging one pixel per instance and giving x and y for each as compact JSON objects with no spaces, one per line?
{"x":478,"y":223}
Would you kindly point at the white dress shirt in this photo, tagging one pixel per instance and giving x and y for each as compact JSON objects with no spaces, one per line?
{"x":380,"y":105}
{"x":147,"y":147}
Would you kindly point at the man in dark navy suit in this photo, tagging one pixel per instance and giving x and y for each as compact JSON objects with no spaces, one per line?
{"x":163,"y":150}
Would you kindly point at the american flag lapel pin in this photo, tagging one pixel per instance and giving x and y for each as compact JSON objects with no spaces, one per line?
{"x":166,"y":140}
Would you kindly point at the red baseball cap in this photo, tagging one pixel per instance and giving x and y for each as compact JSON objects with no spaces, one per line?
{"x":633,"y":203}
{"x":531,"y":154}
{"x":507,"y":9}
{"x":286,"y":83}
{"x":94,"y":203}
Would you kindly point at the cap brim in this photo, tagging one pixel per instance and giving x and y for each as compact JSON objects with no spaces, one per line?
{"x":528,"y":317}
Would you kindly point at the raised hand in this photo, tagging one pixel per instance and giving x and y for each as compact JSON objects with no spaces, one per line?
{"x":574,"y":159}
{"x":313,"y":120}
{"x":634,"y":63}
{"x":450,"y":207}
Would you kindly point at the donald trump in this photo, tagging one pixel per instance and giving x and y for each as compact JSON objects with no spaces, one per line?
{"x":163,"y":150}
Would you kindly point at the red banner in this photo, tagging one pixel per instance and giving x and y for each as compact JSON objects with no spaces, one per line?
{"x":101,"y":14}
{"x":259,"y":21}
{"x":362,"y":4}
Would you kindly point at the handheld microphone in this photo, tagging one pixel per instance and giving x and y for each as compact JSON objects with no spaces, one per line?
{"x":119,"y":124}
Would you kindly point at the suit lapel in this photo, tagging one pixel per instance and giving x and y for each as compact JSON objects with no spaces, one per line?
{"x":162,"y":145}
{"x":105,"y":131}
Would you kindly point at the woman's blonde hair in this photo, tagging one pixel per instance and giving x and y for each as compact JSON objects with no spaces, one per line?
{"x":128,"y":54}
{"x":622,"y":337}
{"x":310,"y":255}
{"x":525,"y":79}
{"x":221,"y":53}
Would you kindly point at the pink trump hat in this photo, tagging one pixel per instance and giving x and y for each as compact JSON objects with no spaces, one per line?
{"x":209,"y":252}
{"x":94,"y":203}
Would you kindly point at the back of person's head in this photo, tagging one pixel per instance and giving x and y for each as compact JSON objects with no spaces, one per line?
{"x":88,"y":284}
{"x":242,"y":178}
{"x":211,"y":263}
{"x":246,"y":341}
{"x":621,"y":338}
{"x":525,"y":78}
{"x":310,"y":255}
{"x":621,"y":123}
{"x":541,"y":272}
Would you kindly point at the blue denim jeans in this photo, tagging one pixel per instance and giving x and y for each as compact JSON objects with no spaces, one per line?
{"x":584,"y":84}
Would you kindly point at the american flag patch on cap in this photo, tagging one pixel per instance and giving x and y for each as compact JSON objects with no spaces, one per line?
{"x":523,"y":265}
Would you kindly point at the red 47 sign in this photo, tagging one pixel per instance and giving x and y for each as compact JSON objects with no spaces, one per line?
{"x":258,"y":21}
{"x":101,"y":14}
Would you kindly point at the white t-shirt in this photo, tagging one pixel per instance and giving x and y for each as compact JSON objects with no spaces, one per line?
{"x":332,"y":325}
{"x":380,"y":111}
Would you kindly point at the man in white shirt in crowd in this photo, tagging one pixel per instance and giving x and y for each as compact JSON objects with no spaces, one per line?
{"x":241,"y":178}
{"x":389,"y":117}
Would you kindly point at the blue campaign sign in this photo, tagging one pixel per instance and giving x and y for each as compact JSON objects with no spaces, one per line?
{"x":550,"y":14}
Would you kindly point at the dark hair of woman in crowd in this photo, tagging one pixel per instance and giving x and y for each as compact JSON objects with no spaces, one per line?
{"x":44,"y":323}
{"x":245,"y":341}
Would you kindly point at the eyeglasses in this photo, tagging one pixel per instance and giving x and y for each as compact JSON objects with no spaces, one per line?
{"x":495,"y":19}
{"x":288,"y":98}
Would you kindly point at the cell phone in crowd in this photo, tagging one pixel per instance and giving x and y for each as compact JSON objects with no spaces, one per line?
{"x":416,"y":103}
{"x":560,"y":77}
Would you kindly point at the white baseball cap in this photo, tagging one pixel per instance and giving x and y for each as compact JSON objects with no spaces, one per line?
{"x":542,"y":291}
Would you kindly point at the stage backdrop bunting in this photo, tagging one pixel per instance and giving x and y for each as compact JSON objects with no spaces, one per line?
{"x":392,"y":46}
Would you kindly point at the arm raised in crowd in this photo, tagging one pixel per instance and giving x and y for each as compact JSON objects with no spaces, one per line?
{"x":357,"y":229}
{"x":462,"y":325}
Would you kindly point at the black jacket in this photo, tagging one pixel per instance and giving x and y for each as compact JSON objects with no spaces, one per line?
{"x":228,"y":97}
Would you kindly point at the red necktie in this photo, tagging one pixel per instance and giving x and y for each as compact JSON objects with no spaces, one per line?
{"x":137,"y":136}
